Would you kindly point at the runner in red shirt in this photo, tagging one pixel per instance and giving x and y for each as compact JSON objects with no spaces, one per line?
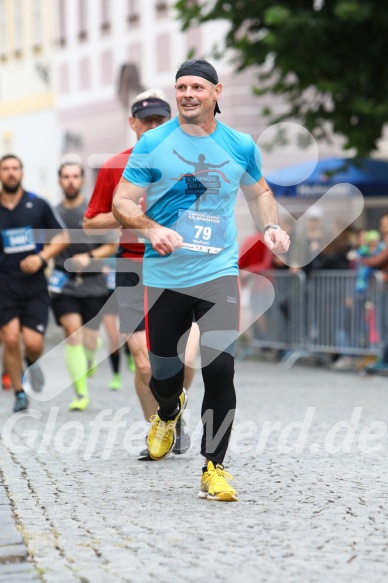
{"x":149,"y":110}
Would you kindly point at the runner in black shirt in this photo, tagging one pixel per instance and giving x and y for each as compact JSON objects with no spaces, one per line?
{"x":26,"y":222}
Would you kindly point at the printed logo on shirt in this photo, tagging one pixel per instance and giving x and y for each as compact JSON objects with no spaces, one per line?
{"x":231,"y":300}
{"x":206,"y":178}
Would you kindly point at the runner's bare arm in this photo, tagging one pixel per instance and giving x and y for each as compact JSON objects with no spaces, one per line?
{"x":125,"y":206}
{"x":57,"y":244}
{"x":263,"y":208}
{"x":33,"y":262}
{"x":127,"y":212}
{"x":83,"y":260}
{"x":100,"y":221}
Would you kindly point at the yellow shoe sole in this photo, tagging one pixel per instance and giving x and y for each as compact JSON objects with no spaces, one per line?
{"x":221,"y":497}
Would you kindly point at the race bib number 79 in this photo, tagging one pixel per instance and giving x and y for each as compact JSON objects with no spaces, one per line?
{"x":201,"y":232}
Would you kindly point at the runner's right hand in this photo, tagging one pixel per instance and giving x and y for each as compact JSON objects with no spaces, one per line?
{"x":164,"y":240}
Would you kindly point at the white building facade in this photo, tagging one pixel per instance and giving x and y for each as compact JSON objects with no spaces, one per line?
{"x":69,"y":69}
{"x":108,"y":50}
{"x":28,"y":120}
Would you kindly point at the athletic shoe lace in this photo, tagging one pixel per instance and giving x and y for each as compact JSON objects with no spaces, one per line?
{"x":223,"y":474}
{"x":161,"y":431}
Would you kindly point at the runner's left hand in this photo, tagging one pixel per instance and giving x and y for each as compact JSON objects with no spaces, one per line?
{"x":31,"y":263}
{"x":277,"y":240}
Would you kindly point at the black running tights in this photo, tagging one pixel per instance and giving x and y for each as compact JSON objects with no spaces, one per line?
{"x":215,"y":306}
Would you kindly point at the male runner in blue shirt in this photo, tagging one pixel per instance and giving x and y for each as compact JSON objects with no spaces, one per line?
{"x":190,"y":261}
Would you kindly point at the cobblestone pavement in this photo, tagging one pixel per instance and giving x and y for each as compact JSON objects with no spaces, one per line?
{"x":14,"y":564}
{"x":309,"y":456}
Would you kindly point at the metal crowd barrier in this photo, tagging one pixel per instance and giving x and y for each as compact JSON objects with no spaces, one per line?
{"x":323,"y":313}
{"x":282,"y":325}
{"x":342,"y":319}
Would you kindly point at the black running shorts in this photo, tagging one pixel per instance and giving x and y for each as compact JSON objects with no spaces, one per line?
{"x":90,"y":309}
{"x":25,"y":298}
{"x":130,"y":295}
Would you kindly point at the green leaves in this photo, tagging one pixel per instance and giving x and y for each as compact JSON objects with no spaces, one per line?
{"x":351,"y":10}
{"x":325,"y":57}
{"x":276,"y":16}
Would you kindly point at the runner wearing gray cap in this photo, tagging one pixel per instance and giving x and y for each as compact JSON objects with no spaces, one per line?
{"x":148,"y":110}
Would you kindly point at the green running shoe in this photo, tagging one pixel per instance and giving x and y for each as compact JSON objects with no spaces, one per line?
{"x":115,"y":384}
{"x":131,"y":363}
{"x":79,"y":404}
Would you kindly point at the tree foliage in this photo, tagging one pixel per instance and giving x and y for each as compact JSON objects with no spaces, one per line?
{"x":325,"y":57}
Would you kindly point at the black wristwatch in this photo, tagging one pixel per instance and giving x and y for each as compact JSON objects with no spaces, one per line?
{"x":271,"y":226}
{"x":43,"y":261}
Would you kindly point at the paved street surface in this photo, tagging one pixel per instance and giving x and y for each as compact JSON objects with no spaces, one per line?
{"x":309,"y":457}
{"x":14,"y":560}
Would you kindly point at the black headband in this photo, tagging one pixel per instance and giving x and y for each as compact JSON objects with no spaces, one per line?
{"x":199,"y":68}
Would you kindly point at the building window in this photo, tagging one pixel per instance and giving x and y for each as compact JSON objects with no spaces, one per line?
{"x":3,"y":30}
{"x":84,"y":74}
{"x":61,"y":23}
{"x":37,"y":23}
{"x":163,"y":52}
{"x":82,"y":20}
{"x":18,"y":27}
{"x":105,"y":16}
{"x":161,"y":8}
{"x":133,"y":12}
{"x":8,"y":141}
{"x":64,"y":84}
{"x":106,"y":68}
{"x":135,"y":54}
{"x":193,"y":40}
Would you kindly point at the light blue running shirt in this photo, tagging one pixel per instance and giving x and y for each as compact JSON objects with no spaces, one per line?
{"x":192,"y":184}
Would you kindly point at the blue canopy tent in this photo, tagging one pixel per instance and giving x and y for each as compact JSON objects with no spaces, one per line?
{"x":369,"y":176}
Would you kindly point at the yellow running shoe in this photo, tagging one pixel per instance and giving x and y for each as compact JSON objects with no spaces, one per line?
{"x":214,"y":485}
{"x":79,"y":404}
{"x":162,"y":434}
